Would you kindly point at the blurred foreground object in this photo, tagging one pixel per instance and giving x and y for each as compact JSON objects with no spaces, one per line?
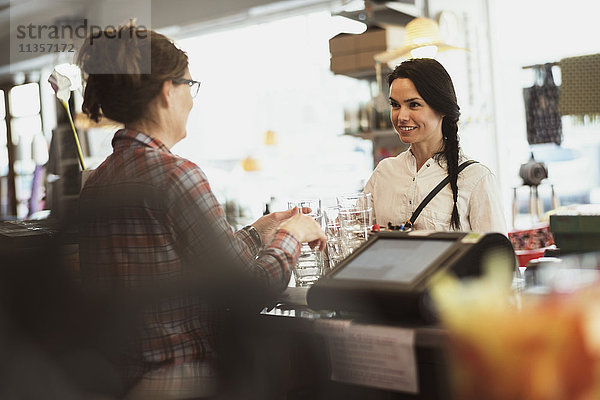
{"x":538,"y":348}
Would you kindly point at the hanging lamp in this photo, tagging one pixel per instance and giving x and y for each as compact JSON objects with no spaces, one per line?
{"x":422,"y":40}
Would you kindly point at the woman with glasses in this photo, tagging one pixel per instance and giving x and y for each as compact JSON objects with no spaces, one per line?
{"x":148,"y":218}
{"x":424,"y":113}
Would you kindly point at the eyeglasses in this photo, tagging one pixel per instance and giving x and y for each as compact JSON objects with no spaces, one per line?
{"x":194,"y":85}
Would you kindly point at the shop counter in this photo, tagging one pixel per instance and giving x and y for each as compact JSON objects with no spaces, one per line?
{"x":328,"y":355}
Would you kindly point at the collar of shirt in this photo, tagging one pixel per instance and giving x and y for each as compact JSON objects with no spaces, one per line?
{"x":124,"y":137}
{"x":442,"y":162}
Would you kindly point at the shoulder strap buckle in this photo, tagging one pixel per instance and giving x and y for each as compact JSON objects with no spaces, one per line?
{"x":406,"y":226}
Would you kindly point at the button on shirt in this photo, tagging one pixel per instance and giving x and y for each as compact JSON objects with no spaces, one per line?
{"x":397,"y":189}
{"x":149,"y":216}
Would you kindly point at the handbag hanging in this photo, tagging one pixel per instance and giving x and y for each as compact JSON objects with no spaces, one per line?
{"x":542,"y":108}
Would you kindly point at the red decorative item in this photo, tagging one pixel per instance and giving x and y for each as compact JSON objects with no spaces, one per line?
{"x":532,"y":243}
{"x":524,"y":256}
{"x":534,"y":238}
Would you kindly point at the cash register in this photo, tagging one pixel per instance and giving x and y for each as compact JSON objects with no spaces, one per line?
{"x":387,"y":278}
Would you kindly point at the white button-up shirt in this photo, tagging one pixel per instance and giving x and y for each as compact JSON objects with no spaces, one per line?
{"x":397,"y":189}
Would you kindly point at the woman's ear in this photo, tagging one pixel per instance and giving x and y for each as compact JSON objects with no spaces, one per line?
{"x":166,"y":93}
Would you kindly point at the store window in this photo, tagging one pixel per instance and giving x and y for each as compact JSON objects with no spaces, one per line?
{"x":573,"y":167}
{"x":24,"y":100}
{"x":2,"y":106}
{"x":3,"y":150}
{"x":274,"y":77}
{"x":25,"y":124}
{"x":3,"y":147}
{"x":3,"y":158}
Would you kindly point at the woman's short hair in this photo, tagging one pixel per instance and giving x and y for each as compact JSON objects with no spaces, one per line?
{"x":119,"y":85}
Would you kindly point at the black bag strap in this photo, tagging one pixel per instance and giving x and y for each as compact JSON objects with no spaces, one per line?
{"x":408,"y":224}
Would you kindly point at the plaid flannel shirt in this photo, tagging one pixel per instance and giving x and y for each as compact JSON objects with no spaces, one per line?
{"x":147,"y":217}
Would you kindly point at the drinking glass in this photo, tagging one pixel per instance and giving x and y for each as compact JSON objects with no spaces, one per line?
{"x":333,"y":231}
{"x":355,"y":215}
{"x":309,"y":267}
{"x":356,"y":201}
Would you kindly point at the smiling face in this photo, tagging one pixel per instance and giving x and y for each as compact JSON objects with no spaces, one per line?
{"x":413,"y":119}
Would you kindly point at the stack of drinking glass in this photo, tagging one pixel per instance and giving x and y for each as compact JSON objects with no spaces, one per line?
{"x":355,"y":215}
{"x":347,"y":226}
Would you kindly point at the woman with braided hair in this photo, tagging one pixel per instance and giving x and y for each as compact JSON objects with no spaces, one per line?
{"x":425,"y":113}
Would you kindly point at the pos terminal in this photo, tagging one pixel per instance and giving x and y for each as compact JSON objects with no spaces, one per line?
{"x":387,"y":278}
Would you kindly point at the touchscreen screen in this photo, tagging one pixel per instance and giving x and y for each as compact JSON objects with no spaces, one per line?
{"x":393,"y":260}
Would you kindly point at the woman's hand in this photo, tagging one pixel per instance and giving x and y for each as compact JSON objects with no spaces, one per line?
{"x":305,"y":229}
{"x":268,"y":224}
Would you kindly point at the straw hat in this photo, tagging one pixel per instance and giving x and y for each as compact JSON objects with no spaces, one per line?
{"x":420,"y":32}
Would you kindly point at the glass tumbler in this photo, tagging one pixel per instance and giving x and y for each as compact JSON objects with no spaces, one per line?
{"x":333,"y":231}
{"x":310,"y":264}
{"x":355,"y":215}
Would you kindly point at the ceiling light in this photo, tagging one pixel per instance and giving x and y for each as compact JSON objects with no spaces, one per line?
{"x":422,"y":40}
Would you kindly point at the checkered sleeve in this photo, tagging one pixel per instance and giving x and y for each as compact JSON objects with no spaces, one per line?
{"x":245,"y":237}
{"x":200,"y":222}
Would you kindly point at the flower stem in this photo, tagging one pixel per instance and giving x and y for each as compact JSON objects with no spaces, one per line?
{"x":79,"y":153}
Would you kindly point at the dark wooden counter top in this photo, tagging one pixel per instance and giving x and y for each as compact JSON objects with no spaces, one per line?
{"x":290,"y":326}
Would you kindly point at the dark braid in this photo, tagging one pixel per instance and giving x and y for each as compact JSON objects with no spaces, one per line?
{"x":450,"y":153}
{"x":434,"y":84}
